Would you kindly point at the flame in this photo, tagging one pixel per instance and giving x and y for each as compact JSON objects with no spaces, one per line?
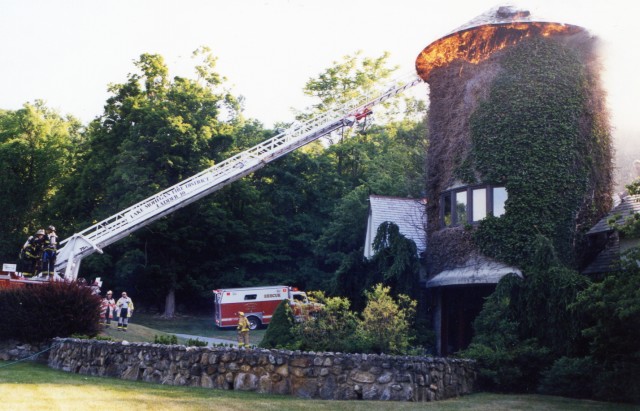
{"x":479,"y":43}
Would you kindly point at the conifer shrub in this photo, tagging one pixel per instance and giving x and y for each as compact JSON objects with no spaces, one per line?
{"x":279,"y":334}
{"x":56,"y":309}
{"x":165,"y":339}
{"x":196,"y":342}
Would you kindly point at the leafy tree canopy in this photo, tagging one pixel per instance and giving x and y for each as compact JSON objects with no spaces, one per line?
{"x":37,"y":152}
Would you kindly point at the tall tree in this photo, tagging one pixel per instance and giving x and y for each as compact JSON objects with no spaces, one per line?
{"x":36,"y":153}
{"x":154,"y":132}
{"x":383,"y":159}
{"x":276,"y":225}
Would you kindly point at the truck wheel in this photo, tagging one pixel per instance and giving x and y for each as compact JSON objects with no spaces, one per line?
{"x":254,"y":323}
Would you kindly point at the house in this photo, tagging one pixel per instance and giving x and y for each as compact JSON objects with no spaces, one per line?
{"x":407,"y":213}
{"x":605,"y":241}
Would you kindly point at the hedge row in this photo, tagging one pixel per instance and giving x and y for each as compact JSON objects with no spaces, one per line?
{"x":39,"y":312}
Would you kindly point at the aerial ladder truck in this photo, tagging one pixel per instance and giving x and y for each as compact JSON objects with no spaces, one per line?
{"x":125,"y":222}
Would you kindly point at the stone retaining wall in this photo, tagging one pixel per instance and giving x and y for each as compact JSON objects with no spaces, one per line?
{"x":331,"y":376}
{"x":11,"y":350}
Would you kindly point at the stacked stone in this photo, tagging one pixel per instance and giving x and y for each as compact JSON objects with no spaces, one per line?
{"x":331,"y":376}
{"x":11,"y":350}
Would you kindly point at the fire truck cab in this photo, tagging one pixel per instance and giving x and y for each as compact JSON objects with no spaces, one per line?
{"x":258,"y":304}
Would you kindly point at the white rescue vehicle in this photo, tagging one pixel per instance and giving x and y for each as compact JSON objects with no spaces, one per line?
{"x":258,"y":304}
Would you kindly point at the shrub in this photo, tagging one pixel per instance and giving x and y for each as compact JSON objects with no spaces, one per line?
{"x":569,"y":377}
{"x":385,"y":324}
{"x":506,"y":361}
{"x":97,"y":337}
{"x":165,"y":339}
{"x":279,"y":334}
{"x":611,"y":309}
{"x":332,"y":329}
{"x":509,"y":369}
{"x":55,"y":309}
{"x":196,"y":343}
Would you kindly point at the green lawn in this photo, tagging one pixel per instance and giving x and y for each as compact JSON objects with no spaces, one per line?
{"x":30,"y":386}
{"x":143,"y":328}
{"x":183,"y":324}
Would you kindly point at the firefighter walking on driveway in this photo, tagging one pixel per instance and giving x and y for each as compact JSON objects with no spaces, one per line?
{"x":125,"y":309}
{"x":243,"y":331}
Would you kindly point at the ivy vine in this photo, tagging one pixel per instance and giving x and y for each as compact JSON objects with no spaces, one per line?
{"x":539,"y":135}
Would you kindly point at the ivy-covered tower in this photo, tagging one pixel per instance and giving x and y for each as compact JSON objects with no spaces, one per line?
{"x":519,"y":145}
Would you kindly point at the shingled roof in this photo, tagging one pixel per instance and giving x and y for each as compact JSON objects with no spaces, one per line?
{"x":477,"y":270}
{"x":408,"y":214}
{"x":628,"y":206}
{"x":608,"y":259}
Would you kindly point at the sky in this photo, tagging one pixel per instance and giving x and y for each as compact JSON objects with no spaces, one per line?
{"x":67,"y":52}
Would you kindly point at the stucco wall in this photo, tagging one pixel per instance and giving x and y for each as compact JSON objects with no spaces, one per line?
{"x":333,"y":376}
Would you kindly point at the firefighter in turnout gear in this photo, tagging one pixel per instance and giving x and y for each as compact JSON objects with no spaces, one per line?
{"x":107,"y":309}
{"x":31,"y":253}
{"x":243,"y":331}
{"x":124,"y":308}
{"x":50,"y":250}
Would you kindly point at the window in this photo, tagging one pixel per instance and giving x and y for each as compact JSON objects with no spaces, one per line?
{"x":461,"y":207}
{"x":499,"y":198}
{"x":479,"y":196}
{"x":250,"y":297}
{"x":472,"y":204}
{"x":448,"y":219}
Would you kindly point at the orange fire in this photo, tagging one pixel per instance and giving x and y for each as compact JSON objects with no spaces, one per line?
{"x":478,"y":43}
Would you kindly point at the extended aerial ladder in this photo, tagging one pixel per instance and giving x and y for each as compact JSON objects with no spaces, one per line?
{"x":110,"y":230}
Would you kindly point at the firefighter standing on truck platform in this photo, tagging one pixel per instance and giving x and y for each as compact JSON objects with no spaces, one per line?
{"x":243,"y":331}
{"x":31,"y":253}
{"x":50,"y":250}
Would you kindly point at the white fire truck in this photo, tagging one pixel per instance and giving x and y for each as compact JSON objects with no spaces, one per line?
{"x":258,"y":304}
{"x":120,"y":225}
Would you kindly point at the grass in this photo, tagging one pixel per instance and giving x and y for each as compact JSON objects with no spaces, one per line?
{"x":32,"y":386}
{"x":144,"y":327}
{"x":135,"y":333}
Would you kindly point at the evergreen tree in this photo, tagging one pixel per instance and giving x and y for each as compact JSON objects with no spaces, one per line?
{"x":279,"y":333}
{"x":396,"y":260}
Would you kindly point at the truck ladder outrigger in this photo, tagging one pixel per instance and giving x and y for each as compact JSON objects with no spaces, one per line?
{"x":111,"y":229}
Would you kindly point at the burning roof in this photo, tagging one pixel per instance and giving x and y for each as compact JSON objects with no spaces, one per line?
{"x":478,"y":39}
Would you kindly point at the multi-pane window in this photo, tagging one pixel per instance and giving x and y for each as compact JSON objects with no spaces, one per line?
{"x":468,"y":205}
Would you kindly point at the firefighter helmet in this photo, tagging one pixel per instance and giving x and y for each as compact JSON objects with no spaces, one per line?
{"x":40,"y":232}
{"x":240,"y":313}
